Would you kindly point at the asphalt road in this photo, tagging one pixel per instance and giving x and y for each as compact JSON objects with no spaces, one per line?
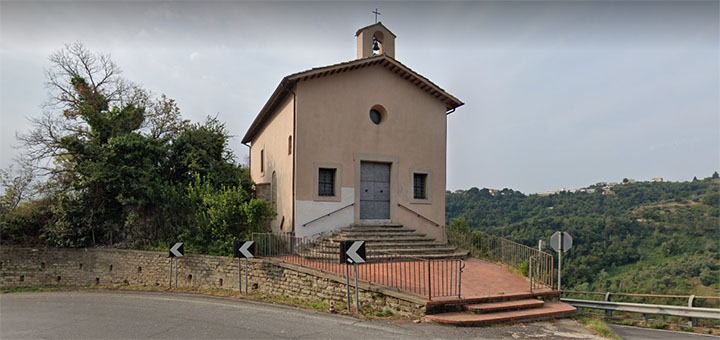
{"x":637,"y":333}
{"x":151,"y":315}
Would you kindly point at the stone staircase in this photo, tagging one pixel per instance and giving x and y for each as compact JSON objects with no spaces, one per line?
{"x":389,"y":239}
{"x":481,"y":311}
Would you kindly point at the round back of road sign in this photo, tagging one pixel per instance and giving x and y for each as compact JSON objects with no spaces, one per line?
{"x":560,"y":236}
{"x":567,"y":241}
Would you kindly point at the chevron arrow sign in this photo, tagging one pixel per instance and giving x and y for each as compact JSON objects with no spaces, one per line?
{"x":244,"y":249}
{"x":177,"y":250}
{"x":353,"y":251}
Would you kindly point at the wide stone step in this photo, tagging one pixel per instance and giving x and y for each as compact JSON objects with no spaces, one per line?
{"x":376,"y":230}
{"x":417,"y":250}
{"x":407,"y":238}
{"x":504,"y":306}
{"x":402,"y":251}
{"x":394,"y":245}
{"x":377,"y":234}
{"x":389,"y":226}
{"x":548,"y":311}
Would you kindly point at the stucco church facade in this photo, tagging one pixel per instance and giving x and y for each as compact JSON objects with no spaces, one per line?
{"x":359,"y":142}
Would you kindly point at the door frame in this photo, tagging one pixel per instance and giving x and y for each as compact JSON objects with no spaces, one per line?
{"x":393,"y":161}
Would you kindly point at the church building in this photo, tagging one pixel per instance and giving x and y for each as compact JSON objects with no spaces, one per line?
{"x":359,"y":142}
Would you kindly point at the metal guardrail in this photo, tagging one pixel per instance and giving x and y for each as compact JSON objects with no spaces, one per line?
{"x":647,"y":309}
{"x":511,"y":253}
{"x":690,"y":298}
{"x":423,"y":277}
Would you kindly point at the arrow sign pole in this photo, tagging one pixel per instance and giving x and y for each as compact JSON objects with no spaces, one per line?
{"x":560,"y":260}
{"x":170,"y":287}
{"x":357,"y":295}
{"x":243,"y":249}
{"x":347,"y":275}
{"x":352,"y":252}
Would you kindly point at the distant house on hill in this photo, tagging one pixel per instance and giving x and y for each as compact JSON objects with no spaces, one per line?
{"x":657,"y":180}
{"x":608,"y":191}
{"x":359,"y":142}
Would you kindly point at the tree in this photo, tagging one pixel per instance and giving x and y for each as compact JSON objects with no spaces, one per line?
{"x":76,"y":77}
{"x":458,"y":225}
{"x":18,"y":187}
{"x":715,"y":175}
{"x":124,"y":168}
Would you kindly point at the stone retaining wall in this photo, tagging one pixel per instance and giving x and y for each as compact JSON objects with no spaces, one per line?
{"x":22,"y":267}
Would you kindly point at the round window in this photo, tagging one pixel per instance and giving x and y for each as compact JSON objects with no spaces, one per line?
{"x":375,"y":116}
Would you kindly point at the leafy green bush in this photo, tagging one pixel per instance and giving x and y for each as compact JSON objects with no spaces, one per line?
{"x":25,"y":223}
{"x":222,"y":215}
{"x":523,"y":267}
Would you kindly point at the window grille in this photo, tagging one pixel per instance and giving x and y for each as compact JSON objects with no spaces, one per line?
{"x":419,"y":186}
{"x":326,"y":182}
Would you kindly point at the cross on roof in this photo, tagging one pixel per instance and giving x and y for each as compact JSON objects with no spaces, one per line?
{"x":376,"y":14}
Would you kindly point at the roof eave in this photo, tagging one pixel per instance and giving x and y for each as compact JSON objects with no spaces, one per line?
{"x":377,"y":23}
{"x":279,"y":93}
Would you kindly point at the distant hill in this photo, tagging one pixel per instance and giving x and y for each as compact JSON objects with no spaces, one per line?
{"x":661,"y":237}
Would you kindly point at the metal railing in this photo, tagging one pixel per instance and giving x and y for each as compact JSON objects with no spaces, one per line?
{"x":507,"y":252}
{"x":420,"y":215}
{"x":631,"y":305}
{"x":423,"y":277}
{"x":328,"y":214}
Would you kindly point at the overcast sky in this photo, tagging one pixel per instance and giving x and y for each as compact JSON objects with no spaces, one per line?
{"x":558,"y":94}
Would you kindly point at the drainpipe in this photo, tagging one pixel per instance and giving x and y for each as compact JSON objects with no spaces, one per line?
{"x":294,"y":156}
{"x":447,"y":113}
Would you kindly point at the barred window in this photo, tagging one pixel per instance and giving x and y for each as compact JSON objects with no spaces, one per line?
{"x":419,"y":186}
{"x":326,"y":182}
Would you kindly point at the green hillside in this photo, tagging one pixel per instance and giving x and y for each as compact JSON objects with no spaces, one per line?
{"x":648,"y":237}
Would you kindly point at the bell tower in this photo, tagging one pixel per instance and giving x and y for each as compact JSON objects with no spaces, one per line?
{"x":374,"y":40}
